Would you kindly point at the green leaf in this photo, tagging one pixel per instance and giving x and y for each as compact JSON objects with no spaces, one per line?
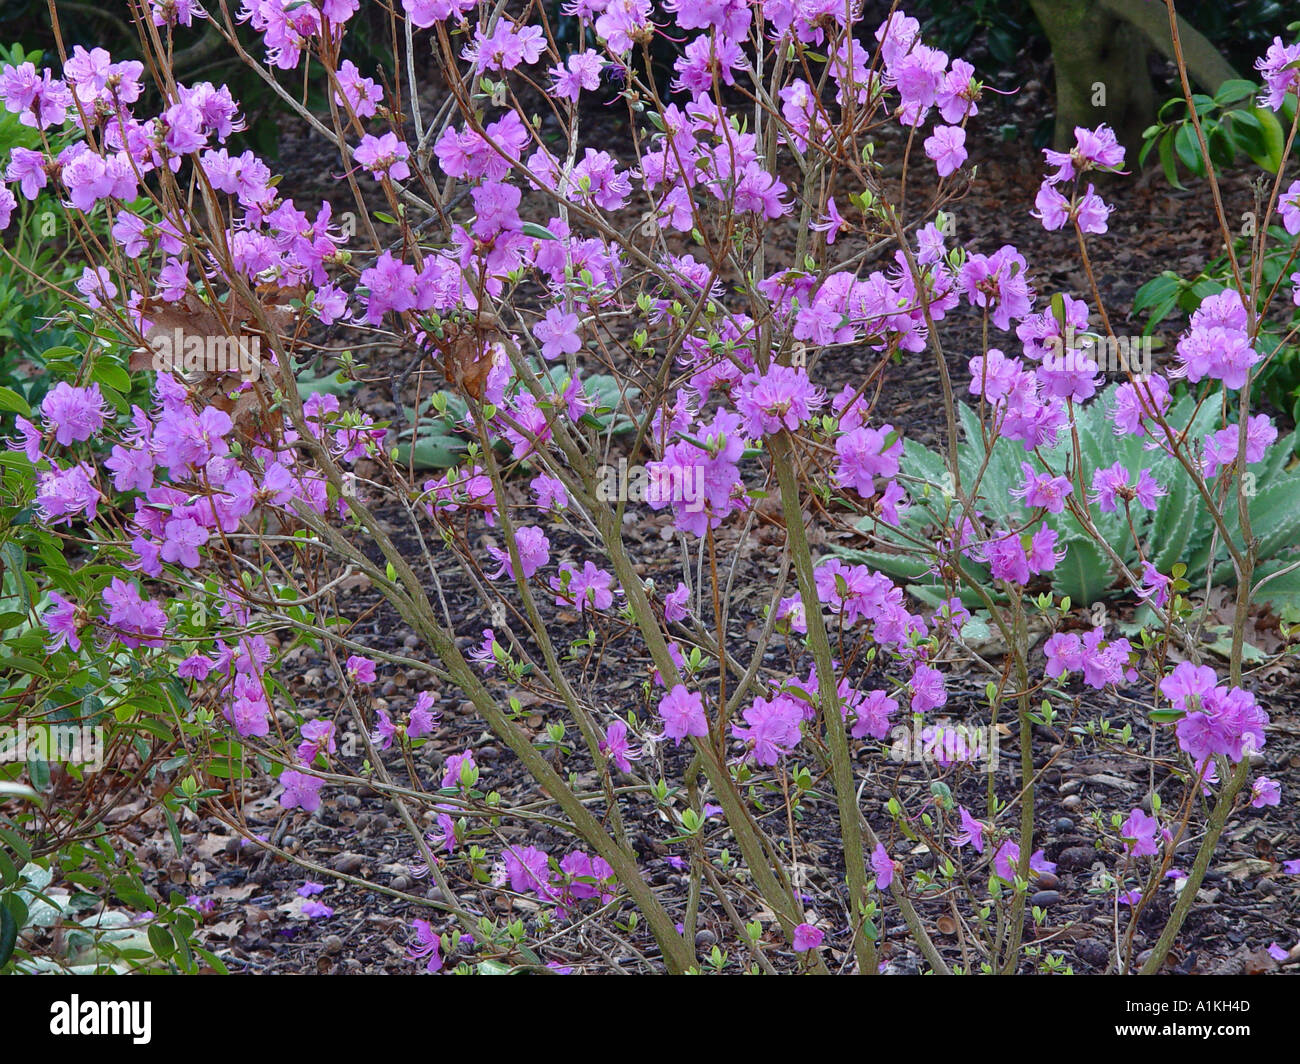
{"x":334,"y":384}
{"x":8,"y":935}
{"x":537,"y":232}
{"x":1084,"y":573}
{"x":1189,"y":149}
{"x":13,"y":403}
{"x":1234,"y":90}
{"x":1167,"y":161}
{"x":161,"y":941}
{"x":431,"y":452}
{"x":19,"y":790}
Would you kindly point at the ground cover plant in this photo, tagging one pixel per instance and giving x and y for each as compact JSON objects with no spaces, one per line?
{"x":522,"y":602}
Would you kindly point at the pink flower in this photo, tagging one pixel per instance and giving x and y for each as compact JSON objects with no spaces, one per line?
{"x":1265,"y":791}
{"x":675,"y":604}
{"x":425,"y":946}
{"x":807,"y":937}
{"x":300,"y":791}
{"x":883,"y":866}
{"x":1042,"y":489}
{"x":534,"y":552}
{"x":62,"y":623}
{"x":947,"y":147}
{"x":75,"y":414}
{"x":773,"y":728}
{"x":781,"y":397}
{"x":360,"y":670}
{"x":383,"y":156}
{"x":927,"y":689}
{"x":972,"y":831}
{"x":865,"y":454}
{"x":423,"y":717}
{"x":616,"y":747}
{"x":1110,"y":486}
{"x":1281,"y":73}
{"x":558,"y":334}
{"x":460,"y":770}
{"x":1140,"y":833}
{"x":682,"y":712}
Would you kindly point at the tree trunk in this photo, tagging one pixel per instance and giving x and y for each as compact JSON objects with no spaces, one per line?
{"x":1100,"y":49}
{"x":1101,"y":70}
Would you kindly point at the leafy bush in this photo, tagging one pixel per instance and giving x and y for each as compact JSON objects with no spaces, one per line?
{"x":172,"y":562}
{"x":1177,"y":532}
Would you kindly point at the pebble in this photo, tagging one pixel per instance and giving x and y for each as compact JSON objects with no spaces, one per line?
{"x":1044,"y":898}
{"x":704,"y":939}
{"x":1071,"y":787}
{"x":333,"y":944}
{"x":1073,"y":801}
{"x":1093,"y":952}
{"x":1065,"y":825}
{"x":1048,"y":881}
{"x":348,"y":863}
{"x":1073,"y":858}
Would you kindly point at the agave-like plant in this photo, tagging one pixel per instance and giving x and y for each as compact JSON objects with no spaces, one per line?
{"x":1177,"y":531}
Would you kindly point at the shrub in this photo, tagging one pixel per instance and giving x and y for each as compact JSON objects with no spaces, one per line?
{"x":588,"y":310}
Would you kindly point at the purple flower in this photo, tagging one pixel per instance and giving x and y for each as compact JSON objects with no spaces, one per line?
{"x":947,"y":147}
{"x":308,"y":889}
{"x":74,"y":413}
{"x":62,"y":624}
{"x":773,"y":728}
{"x":866,"y":453}
{"x":1280,"y":68}
{"x":1043,"y":489}
{"x":460,"y":770}
{"x":682,"y":712}
{"x":362,"y":94}
{"x":360,"y":669}
{"x":1006,"y":861}
{"x":927,"y":689}
{"x":883,"y":866}
{"x":549,"y":492}
{"x":423,"y":717}
{"x":1139,"y":834}
{"x":300,"y":791}
{"x":807,"y":937}
{"x":317,"y":735}
{"x":781,"y":397}
{"x":1265,"y":791}
{"x":972,"y":831}
{"x":425,"y":946}
{"x":385,"y":730}
{"x":534,"y":552}
{"x":675,"y":603}
{"x":616,"y":747}
{"x":832,"y":226}
{"x":383,"y":156}
{"x":315,"y":910}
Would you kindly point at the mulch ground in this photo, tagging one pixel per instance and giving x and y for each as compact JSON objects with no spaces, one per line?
{"x":1246,"y":903}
